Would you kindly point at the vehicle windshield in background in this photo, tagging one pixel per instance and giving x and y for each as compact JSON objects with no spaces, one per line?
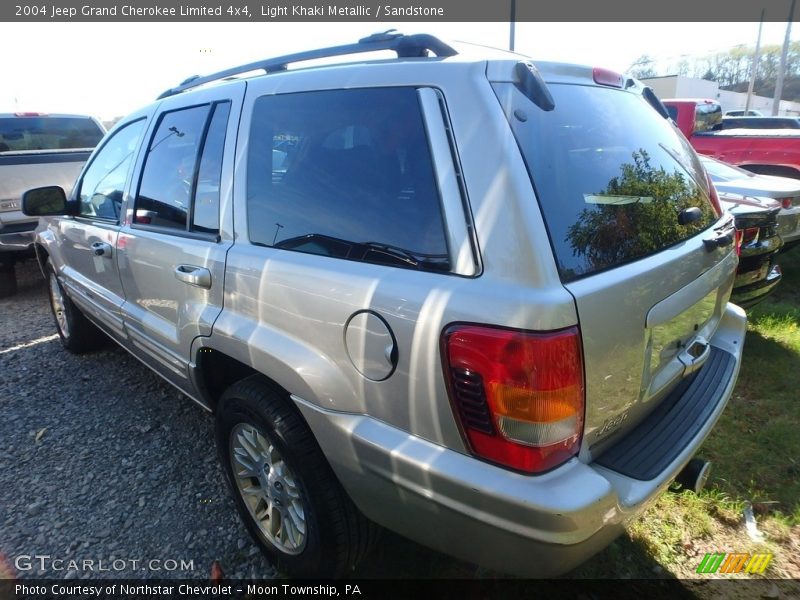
{"x":18,"y":134}
{"x":611,"y":175}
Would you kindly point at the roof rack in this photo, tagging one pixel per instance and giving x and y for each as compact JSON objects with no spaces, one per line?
{"x":418,"y":45}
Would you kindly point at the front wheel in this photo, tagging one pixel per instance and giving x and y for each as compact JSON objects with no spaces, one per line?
{"x":284,"y":489}
{"x":77,"y":333}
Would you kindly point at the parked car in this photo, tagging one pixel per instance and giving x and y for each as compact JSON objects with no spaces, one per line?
{"x":479,"y":301}
{"x":731,"y":122}
{"x":743,"y":113}
{"x":759,"y":243}
{"x":35,"y":149}
{"x":785,"y":190}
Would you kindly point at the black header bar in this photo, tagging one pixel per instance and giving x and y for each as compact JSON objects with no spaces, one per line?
{"x":393,"y":11}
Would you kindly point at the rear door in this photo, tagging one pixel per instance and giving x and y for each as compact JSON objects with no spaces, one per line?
{"x":633,"y":231}
{"x":173,"y":246}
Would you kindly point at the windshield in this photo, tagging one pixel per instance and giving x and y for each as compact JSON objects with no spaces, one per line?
{"x":611,"y":175}
{"x":19,"y":134}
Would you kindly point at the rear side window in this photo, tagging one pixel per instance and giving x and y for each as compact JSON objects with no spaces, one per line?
{"x":180,"y":183}
{"x":610,"y":174}
{"x":347,"y":174}
{"x":48,"y":133}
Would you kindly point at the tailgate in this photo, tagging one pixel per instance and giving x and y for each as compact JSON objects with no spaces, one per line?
{"x":21,"y":172}
{"x":645,"y":327}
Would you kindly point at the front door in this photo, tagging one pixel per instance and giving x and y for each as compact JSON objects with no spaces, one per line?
{"x":89,"y":239}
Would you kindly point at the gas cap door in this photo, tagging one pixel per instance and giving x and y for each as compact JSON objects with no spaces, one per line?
{"x":371,"y":345}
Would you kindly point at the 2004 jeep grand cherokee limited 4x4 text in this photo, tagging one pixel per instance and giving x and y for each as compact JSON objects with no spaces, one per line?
{"x":478,"y":301}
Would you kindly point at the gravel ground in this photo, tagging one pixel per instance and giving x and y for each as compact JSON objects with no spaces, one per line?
{"x":102,"y":460}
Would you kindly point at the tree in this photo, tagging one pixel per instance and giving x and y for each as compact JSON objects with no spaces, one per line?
{"x":731,"y":69}
{"x":644,"y":217}
{"x":643,"y":67}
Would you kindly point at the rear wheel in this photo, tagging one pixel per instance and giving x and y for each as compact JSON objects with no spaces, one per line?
{"x":283,"y":487}
{"x":77,"y":333}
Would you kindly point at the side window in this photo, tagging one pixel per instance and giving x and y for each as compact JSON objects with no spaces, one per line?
{"x":103,"y":183}
{"x":180,"y":186}
{"x":347,"y":174}
{"x":206,"y":206}
{"x":165,"y":190}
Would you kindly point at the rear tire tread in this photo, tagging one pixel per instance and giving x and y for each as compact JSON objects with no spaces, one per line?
{"x":350,"y":534}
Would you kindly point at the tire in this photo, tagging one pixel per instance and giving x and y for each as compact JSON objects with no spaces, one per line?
{"x":284,"y":489}
{"x":8,"y":280}
{"x":77,"y":333}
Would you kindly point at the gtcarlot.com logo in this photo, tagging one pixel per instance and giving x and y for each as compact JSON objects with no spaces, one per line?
{"x":47,"y":563}
{"x":722,"y":562}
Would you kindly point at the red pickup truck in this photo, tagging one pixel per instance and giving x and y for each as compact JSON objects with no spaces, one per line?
{"x":765,"y":151}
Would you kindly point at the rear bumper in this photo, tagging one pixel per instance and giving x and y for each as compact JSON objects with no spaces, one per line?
{"x":535,"y":526}
{"x":750,"y":295}
{"x":17,"y":237}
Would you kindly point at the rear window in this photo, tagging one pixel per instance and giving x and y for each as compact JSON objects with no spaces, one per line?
{"x":611,"y":175}
{"x":18,"y":134}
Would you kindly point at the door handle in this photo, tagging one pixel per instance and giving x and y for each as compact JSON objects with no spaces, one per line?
{"x":101,"y":249}
{"x":196,"y":276}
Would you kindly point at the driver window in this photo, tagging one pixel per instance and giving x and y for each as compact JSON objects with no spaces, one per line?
{"x":103,"y":182}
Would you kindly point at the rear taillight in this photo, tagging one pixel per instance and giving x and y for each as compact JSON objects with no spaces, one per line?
{"x":713,"y":196}
{"x":786,"y":202}
{"x":750,"y":235}
{"x":738,"y":241}
{"x":518,"y":395}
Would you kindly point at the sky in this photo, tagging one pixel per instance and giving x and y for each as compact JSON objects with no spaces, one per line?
{"x":110,"y":69}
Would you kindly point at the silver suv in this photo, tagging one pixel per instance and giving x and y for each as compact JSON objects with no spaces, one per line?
{"x":478,"y":301}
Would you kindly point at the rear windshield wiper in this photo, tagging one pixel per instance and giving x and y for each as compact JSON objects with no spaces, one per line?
{"x":438,"y":262}
{"x":317,"y":243}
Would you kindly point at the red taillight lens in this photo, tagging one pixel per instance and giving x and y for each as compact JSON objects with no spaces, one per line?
{"x":750,"y":236}
{"x":518,"y":395}
{"x":786,"y":202}
{"x":713,"y":196}
{"x":738,"y":241}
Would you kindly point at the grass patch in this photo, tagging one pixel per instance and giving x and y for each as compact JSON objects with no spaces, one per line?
{"x":756,"y":445}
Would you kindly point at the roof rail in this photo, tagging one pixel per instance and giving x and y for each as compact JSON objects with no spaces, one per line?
{"x":405,"y":46}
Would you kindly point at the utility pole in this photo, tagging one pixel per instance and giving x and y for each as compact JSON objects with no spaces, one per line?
{"x":512,"y":25}
{"x":754,"y":68}
{"x":776,"y":101}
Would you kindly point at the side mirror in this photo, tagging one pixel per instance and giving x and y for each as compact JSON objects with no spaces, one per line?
{"x":45,"y":201}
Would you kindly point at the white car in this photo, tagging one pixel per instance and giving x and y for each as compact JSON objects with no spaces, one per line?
{"x":785,"y":190}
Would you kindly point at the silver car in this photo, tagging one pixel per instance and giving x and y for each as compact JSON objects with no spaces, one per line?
{"x":784,"y":190}
{"x":478,"y":301}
